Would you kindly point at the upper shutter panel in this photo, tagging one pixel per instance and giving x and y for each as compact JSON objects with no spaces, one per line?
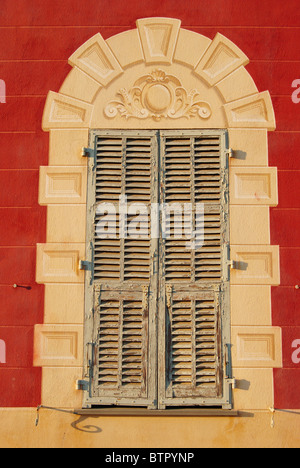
{"x":192,"y":174}
{"x":109,"y":169}
{"x":138,"y":168}
{"x":109,"y":151}
{"x":178,"y":170}
{"x":176,"y":189}
{"x":209,"y":191}
{"x":124,"y":168}
{"x":207,"y":153}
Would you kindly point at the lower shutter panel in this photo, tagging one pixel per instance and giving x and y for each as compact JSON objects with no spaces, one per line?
{"x":194,"y":349}
{"x":121,"y":354}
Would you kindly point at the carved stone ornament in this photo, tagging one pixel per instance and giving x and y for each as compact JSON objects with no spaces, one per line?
{"x":158,"y":95}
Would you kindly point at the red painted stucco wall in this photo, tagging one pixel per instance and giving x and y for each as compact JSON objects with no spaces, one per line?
{"x":37,"y":37}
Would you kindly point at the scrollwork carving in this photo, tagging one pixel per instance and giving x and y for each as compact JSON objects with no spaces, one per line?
{"x":158,"y":95}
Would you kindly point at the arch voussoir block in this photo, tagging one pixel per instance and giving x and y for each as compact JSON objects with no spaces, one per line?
{"x":251,"y":112}
{"x":65,"y":112}
{"x":159,"y":38}
{"x":97,"y":60}
{"x":127,"y":48}
{"x":220,"y":59}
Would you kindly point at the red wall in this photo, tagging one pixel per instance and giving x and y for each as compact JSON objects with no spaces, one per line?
{"x":36,"y":39}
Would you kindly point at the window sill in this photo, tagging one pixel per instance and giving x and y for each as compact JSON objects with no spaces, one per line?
{"x":151,"y":413}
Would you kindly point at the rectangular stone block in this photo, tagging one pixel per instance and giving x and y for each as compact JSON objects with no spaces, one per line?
{"x":59,"y":387}
{"x":250,"y":147}
{"x":59,"y":263}
{"x":255,"y":264}
{"x":254,"y":389}
{"x":65,"y":147}
{"x":253,"y":186}
{"x":62,"y":185}
{"x":256,"y":347}
{"x":58,"y":345}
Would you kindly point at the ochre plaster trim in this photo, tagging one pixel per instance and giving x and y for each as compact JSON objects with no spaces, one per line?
{"x":59,"y":263}
{"x":156,"y":43}
{"x":62,"y":185}
{"x":158,"y":38}
{"x":57,"y":344}
{"x":66,"y":112}
{"x":253,"y":186}
{"x":220,"y":60}
{"x":216,"y":68}
{"x":256,"y":347}
{"x":97,"y":60}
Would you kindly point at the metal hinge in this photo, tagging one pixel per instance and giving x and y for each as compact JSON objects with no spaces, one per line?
{"x":233,"y":382}
{"x":230,"y":153}
{"x":228,"y":361}
{"x":87,"y":153}
{"x":233,"y":264}
{"x":82,"y":385}
{"x":85,"y":265}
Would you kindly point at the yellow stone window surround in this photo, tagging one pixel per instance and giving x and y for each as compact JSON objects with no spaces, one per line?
{"x":218,"y":93}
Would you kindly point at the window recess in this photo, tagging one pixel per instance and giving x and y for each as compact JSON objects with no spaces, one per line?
{"x":157,"y":295}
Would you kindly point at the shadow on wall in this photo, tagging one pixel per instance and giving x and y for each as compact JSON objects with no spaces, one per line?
{"x":89,"y":428}
{"x":241,"y":155}
{"x":243,"y":384}
{"x":241,"y":266}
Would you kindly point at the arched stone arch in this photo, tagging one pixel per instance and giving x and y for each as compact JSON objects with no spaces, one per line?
{"x":157,"y":76}
{"x":215,"y":69}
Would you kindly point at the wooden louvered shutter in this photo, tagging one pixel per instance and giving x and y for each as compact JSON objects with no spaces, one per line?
{"x":194,"y":282}
{"x":157,"y":309}
{"x":120,"y":316}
